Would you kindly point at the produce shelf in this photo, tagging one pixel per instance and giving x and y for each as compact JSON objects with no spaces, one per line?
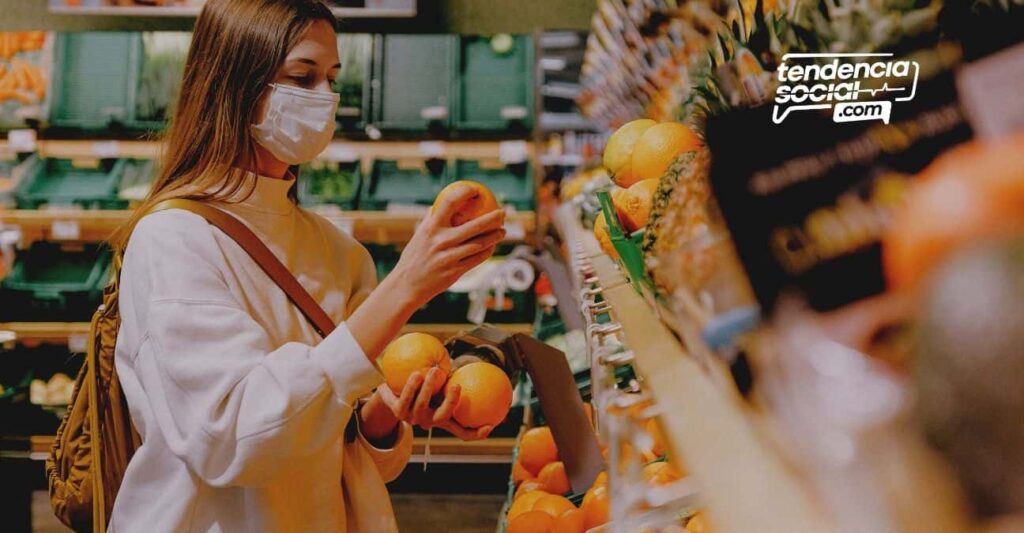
{"x":442,"y":450}
{"x":743,"y":482}
{"x":61,"y":332}
{"x":97,"y":225}
{"x":193,"y":11}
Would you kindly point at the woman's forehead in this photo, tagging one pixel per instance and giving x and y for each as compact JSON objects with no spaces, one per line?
{"x":317,"y":46}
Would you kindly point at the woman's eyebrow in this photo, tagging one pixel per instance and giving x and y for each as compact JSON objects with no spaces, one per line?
{"x":312,"y":63}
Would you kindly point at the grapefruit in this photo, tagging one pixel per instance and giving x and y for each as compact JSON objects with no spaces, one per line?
{"x":603,"y":237}
{"x":618,"y":152}
{"x":595,"y":507}
{"x":658,"y":146}
{"x":531,"y":522}
{"x":634,"y":205}
{"x":570,"y":521}
{"x":412,"y":352}
{"x":554,"y":479}
{"x":553,"y":505}
{"x":481,"y":203}
{"x":486,"y":395}
{"x":537,"y":448}
{"x":524,"y":503}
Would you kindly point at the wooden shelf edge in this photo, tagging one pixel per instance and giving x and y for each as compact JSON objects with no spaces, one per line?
{"x":60,"y":332}
{"x":193,"y":11}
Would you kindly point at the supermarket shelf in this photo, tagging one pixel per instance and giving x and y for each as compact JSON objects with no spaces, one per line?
{"x":97,"y":225}
{"x":339,"y":149}
{"x":193,"y":11}
{"x":442,"y":450}
{"x":61,"y":332}
{"x":744,"y":483}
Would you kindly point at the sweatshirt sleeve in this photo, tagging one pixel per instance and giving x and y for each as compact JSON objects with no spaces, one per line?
{"x":235,"y":409}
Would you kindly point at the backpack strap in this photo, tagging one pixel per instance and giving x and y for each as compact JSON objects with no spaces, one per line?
{"x":259,"y":252}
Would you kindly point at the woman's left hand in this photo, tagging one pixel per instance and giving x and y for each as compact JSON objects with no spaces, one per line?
{"x":414,"y":405}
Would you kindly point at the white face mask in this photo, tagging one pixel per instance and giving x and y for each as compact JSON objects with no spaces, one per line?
{"x":299,"y":123}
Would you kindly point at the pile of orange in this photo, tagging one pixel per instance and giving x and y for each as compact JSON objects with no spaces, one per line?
{"x":538,"y":505}
{"x":643,"y":149}
{"x":486,"y":393}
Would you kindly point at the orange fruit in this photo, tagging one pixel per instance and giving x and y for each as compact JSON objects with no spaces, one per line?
{"x":658,"y":146}
{"x":553,"y":505}
{"x":659,"y":447}
{"x":537,"y":448}
{"x":570,"y":521}
{"x":619,"y":149}
{"x":527,"y":487}
{"x":520,"y":474}
{"x":554,"y":479}
{"x":661,"y":473}
{"x":698,"y":524}
{"x":481,"y":203}
{"x":595,"y":507}
{"x":531,"y":522}
{"x":603,"y":237}
{"x":634,"y":204}
{"x":486,"y":394}
{"x":601,"y":480}
{"x":413,"y":352}
{"x":524,"y":503}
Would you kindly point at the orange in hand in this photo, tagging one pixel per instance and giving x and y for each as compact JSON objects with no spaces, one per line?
{"x":486,"y":395}
{"x":413,"y":352}
{"x":480,"y":203}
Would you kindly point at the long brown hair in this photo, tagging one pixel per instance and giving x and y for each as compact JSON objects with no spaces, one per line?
{"x":237,"y":48}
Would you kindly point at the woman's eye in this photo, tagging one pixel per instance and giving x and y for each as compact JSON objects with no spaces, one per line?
{"x":301,"y":81}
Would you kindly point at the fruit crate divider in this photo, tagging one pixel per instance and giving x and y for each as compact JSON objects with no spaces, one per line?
{"x":628,"y":247}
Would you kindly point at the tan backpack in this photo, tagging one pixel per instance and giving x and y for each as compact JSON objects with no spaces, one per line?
{"x":96,"y":439}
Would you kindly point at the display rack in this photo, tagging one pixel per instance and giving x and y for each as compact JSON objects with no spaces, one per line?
{"x":743,"y":483}
{"x":61,"y":332}
{"x":380,"y":227}
{"x":193,"y":11}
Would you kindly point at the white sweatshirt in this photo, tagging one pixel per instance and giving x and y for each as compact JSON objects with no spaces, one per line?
{"x":242,"y":408}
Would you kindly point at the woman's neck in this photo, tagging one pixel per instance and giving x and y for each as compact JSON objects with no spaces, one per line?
{"x":268,"y":165}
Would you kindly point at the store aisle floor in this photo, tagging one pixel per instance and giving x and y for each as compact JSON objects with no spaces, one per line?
{"x":417,"y":513}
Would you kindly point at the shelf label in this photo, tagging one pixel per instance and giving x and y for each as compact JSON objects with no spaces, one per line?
{"x":106,"y":149}
{"x":432,"y":149}
{"x":65,"y":230}
{"x":78,"y":343}
{"x":346,"y":224}
{"x":436,"y":112}
{"x":515,"y":231}
{"x":21,"y":141}
{"x":510,"y":152}
{"x":340,"y":153}
{"x":513,"y":112}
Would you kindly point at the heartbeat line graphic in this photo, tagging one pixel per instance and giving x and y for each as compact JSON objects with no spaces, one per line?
{"x":884,"y":88}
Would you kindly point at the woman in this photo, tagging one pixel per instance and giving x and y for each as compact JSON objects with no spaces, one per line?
{"x":242,"y":408}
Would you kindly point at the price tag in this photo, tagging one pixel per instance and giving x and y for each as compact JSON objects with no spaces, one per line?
{"x":513,"y":112}
{"x":514,"y":231}
{"x":106,"y":149}
{"x":340,"y":153}
{"x":22,"y":140}
{"x":437,"y":112}
{"x":513,"y":151}
{"x":990,"y":92}
{"x":78,"y":343}
{"x":65,"y":230}
{"x":432,"y":149}
{"x":348,"y":225}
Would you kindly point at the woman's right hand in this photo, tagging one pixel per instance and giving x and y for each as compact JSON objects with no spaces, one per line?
{"x":439,"y":253}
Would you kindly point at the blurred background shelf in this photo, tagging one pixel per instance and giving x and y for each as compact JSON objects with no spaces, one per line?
{"x":193,"y":11}
{"x":61,"y":332}
{"x":97,"y":225}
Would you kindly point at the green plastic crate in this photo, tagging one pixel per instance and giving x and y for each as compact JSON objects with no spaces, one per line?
{"x":398,"y":183}
{"x":60,"y":182}
{"x":412,"y":81}
{"x":353,"y":80}
{"x":51,"y":282}
{"x":329,"y":182}
{"x":95,"y":84}
{"x":494,"y":83}
{"x":512,"y":184}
